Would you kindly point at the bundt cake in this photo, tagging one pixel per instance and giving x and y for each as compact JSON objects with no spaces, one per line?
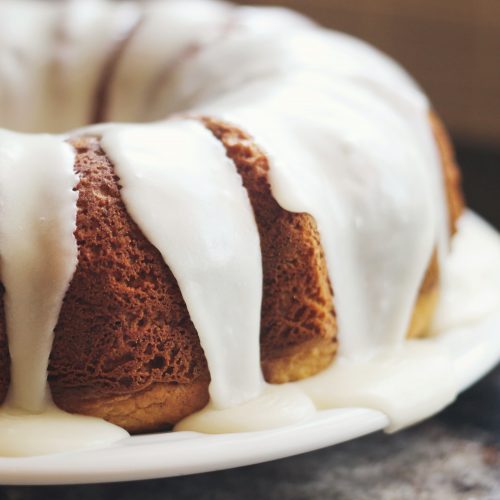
{"x":290,"y":201}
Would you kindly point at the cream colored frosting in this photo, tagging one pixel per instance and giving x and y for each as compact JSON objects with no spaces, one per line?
{"x":38,"y":257}
{"x":188,"y":199}
{"x":275,"y":407}
{"x":23,"y":63}
{"x":348,"y":139}
{"x":26,"y":434}
{"x":38,"y":253}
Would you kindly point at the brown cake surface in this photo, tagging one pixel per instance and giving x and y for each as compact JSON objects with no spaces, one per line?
{"x":298,"y":325}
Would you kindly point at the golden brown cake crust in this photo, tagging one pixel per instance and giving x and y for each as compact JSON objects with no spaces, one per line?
{"x":452,"y":176}
{"x":155,"y":408}
{"x":123,"y":324}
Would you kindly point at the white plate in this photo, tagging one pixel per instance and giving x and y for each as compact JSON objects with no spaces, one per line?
{"x":475,"y":350}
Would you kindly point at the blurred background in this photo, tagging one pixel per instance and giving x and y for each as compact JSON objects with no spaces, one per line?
{"x":452,"y":48}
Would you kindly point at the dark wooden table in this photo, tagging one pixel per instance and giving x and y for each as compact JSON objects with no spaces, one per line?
{"x":453,"y":456}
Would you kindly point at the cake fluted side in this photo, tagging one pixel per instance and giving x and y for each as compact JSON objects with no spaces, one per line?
{"x":298,"y":326}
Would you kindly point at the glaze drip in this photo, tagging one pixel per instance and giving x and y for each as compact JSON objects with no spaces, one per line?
{"x":38,"y":254}
{"x":186,"y":196}
{"x":370,"y":178}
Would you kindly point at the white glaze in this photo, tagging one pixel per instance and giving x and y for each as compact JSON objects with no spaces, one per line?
{"x":349,"y":141}
{"x":465,"y":297}
{"x":52,"y":431}
{"x":74,"y":42}
{"x":145,"y":71}
{"x":361,"y":177}
{"x":275,"y":407}
{"x":188,"y":199}
{"x":23,"y":64}
{"x":408,"y":384}
{"x":90,"y":32}
{"x":51,"y":85}
{"x":197,"y":80}
{"x":398,"y":383}
{"x":38,"y":254}
{"x":348,"y":138}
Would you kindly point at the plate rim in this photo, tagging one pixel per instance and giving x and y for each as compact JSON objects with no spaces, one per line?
{"x":474,"y":348}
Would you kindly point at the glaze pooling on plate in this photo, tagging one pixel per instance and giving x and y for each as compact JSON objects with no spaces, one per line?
{"x":355,"y":151}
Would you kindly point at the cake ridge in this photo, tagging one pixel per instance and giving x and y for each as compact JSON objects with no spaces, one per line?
{"x":303,"y":310}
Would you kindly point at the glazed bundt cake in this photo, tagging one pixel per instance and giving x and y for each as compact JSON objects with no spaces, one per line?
{"x":293,"y":204}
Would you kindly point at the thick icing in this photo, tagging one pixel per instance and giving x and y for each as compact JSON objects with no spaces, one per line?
{"x":61,"y":71}
{"x":275,"y":407}
{"x":38,"y":253}
{"x":188,"y":199}
{"x":143,"y":76}
{"x":77,"y":63}
{"x":364,"y":184}
{"x":52,"y":431}
{"x":38,"y":256}
{"x":410,"y":370}
{"x":23,"y":64}
{"x":473,"y":263}
{"x":361,"y":126}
